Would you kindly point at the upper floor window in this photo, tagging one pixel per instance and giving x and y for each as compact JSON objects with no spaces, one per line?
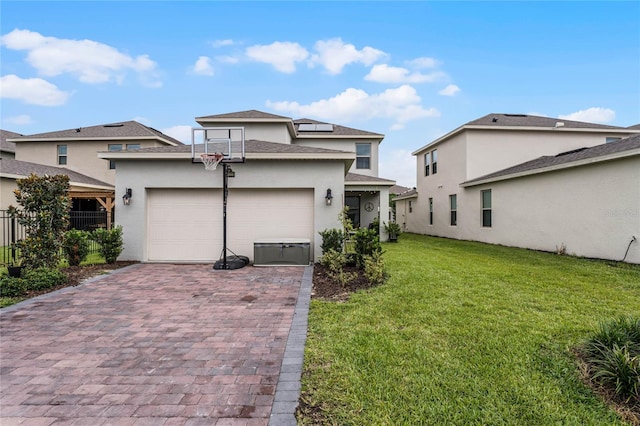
{"x":410,"y":207}
{"x":112,"y":148}
{"x":486,"y":208}
{"x":609,"y":140}
{"x":363,"y":156}
{"x":427,"y":163}
{"x":434,"y":161}
{"x":62,"y":155}
{"x":133,"y":146}
{"x":453,"y":204}
{"x":430,"y":211}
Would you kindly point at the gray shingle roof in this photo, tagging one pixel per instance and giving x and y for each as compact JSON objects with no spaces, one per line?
{"x":8,"y":146}
{"x":337,"y":129}
{"x":249,"y":114}
{"x":412,"y":193}
{"x":356,"y":178}
{"x":250,"y":146}
{"x":24,"y":168}
{"x":125,"y":129}
{"x":524,"y":120}
{"x":626,"y":144}
{"x":634,"y":127}
{"x":397,"y":189}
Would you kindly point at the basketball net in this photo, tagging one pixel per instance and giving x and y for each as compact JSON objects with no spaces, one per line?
{"x":211,"y":161}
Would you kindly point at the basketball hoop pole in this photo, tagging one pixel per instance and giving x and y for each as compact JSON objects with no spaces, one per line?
{"x":225,"y":193}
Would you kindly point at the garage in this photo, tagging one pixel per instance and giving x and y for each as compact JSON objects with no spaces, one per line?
{"x":185,"y":225}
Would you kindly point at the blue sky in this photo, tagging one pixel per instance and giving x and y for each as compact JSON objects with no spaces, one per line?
{"x":410,"y":70}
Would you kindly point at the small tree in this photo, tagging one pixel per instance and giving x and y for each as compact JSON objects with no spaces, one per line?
{"x":76,"y":246}
{"x":45,"y":216}
{"x":110,"y":241}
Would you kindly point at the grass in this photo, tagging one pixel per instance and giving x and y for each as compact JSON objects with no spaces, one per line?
{"x":464,"y":333}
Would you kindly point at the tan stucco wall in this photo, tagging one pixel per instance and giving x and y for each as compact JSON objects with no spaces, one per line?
{"x":140,"y":175}
{"x":82,"y":156}
{"x":492,"y":150}
{"x":350,"y":146}
{"x":7,"y":198}
{"x":269,"y":132}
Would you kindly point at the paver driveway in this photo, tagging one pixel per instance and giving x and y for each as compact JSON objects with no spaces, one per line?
{"x":157,"y":345}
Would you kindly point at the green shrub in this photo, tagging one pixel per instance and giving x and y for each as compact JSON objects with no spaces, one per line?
{"x":374,"y":268}
{"x":110,"y":241}
{"x":12,"y":287}
{"x":366,"y":243}
{"x":76,"y":246}
{"x":332,"y":239}
{"x":613,"y":354}
{"x":43,"y":278}
{"x":45,"y":217}
{"x":335,"y":261}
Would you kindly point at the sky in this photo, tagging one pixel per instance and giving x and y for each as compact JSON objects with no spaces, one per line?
{"x":412,"y":71}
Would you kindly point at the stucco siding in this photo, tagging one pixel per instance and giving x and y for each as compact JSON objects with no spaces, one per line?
{"x":493,"y":150}
{"x":593,"y":211}
{"x":350,"y":146}
{"x":143,"y":175}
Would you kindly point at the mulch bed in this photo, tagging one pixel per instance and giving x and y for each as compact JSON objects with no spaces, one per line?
{"x":325,"y":288}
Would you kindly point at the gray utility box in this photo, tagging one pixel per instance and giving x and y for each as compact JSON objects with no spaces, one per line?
{"x":281,"y":251}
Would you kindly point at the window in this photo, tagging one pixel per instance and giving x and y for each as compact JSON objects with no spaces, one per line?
{"x":113,"y":148}
{"x":363,"y":156}
{"x":410,"y":207}
{"x":609,"y":140}
{"x":427,"y":162}
{"x":486,"y":208}
{"x":434,"y":161}
{"x":62,"y":155}
{"x":133,"y":146}
{"x":453,"y":204}
{"x":430,"y":211}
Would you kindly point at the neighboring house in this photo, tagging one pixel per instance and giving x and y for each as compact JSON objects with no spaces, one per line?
{"x":7,"y":149}
{"x":76,"y":150}
{"x":532,"y":182}
{"x":279,"y":192}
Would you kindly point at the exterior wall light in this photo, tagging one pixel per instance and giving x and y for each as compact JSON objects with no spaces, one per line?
{"x":328,"y":198}
{"x":126,"y":198}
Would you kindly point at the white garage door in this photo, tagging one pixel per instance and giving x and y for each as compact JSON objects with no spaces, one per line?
{"x":186,"y":224}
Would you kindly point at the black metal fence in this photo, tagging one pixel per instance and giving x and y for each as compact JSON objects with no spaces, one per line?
{"x":11,"y":231}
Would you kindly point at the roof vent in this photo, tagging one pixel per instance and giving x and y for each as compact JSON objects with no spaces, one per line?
{"x":573,"y":151}
{"x":494,"y":119}
{"x":114,"y":125}
{"x":78,"y":129}
{"x":515,"y":115}
{"x":559,"y":124}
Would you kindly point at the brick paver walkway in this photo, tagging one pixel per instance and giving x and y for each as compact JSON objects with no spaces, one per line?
{"x":156,"y":345}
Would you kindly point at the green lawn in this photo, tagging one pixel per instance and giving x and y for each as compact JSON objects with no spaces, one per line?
{"x":464,"y":333}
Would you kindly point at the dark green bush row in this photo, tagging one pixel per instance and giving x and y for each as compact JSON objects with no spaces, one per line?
{"x":32,"y":280}
{"x":613,"y":355}
{"x":76,"y":244}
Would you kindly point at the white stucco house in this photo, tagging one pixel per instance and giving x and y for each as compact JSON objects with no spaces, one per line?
{"x":532,"y":182}
{"x":279,"y":192}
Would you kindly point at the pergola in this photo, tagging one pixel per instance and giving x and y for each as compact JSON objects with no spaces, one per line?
{"x":105,"y":198}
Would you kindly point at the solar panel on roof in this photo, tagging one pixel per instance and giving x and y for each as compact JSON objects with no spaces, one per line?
{"x":306,"y":127}
{"x":324,"y":127}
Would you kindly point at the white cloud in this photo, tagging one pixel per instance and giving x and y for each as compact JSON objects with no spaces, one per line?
{"x":19,"y":120}
{"x":34,"y":91}
{"x":399,"y":165}
{"x":228,"y":59}
{"x":424,"y":62}
{"x":221,"y":43}
{"x":334,"y":55}
{"x":181,"y":132}
{"x":450,"y":90}
{"x":90,"y":61}
{"x":203,"y":66}
{"x":384,"y":73}
{"x":283,"y":56}
{"x":400,"y":105}
{"x":591,"y":115}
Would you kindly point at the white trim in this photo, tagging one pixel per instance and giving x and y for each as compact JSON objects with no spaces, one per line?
{"x":74,"y":183}
{"x":71,"y":139}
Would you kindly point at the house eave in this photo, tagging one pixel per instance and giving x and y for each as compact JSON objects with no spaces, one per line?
{"x":123,"y":155}
{"x":94,"y":139}
{"x":578,"y":163}
{"x":71,"y":182}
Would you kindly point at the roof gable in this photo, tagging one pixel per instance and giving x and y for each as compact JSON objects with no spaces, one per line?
{"x":4,"y":144}
{"x":251,"y":114}
{"x":525,"y":120}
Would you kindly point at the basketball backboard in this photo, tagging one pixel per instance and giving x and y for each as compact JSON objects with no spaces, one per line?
{"x":229,"y":141}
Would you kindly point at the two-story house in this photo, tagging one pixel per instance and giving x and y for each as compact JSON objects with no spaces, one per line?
{"x":532,"y":182}
{"x":291,"y":183}
{"x":74,"y":152}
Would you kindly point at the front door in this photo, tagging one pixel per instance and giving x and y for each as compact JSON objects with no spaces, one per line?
{"x":353,"y":202}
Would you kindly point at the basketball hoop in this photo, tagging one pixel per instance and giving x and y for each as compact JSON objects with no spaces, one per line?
{"x":211,"y":161}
